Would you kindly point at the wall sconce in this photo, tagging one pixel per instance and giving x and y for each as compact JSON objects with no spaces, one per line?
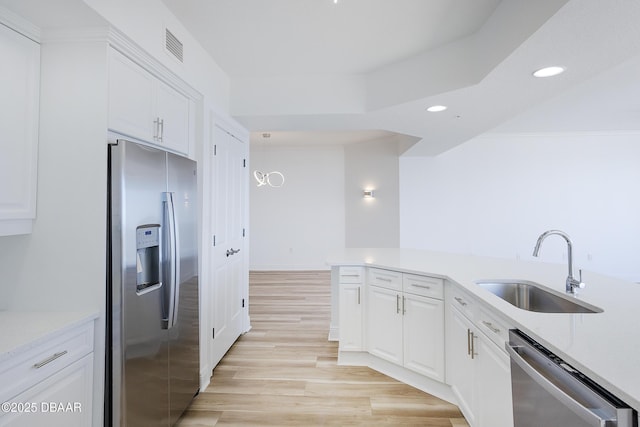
{"x":368,"y":194}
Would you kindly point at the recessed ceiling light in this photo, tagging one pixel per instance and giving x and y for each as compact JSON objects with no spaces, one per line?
{"x":436,"y":108}
{"x":549,"y":71}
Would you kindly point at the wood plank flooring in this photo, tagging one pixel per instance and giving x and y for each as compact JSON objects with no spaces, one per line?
{"x":284,"y":372}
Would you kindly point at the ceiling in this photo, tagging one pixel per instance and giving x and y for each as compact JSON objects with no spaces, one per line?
{"x":312,"y":71}
{"x":283,"y":37}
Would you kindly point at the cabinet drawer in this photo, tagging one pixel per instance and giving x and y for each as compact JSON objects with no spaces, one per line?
{"x":494,"y":327}
{"x":423,"y":285}
{"x":462,"y":301}
{"x":351,"y":275}
{"x":72,"y":387}
{"x":23,"y":369}
{"x":385,"y":278}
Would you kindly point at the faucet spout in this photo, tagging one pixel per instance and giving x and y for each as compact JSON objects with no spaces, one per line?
{"x":572,"y":283}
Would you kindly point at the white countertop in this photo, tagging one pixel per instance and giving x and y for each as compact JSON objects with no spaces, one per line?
{"x":604,"y":346}
{"x":20,"y":330}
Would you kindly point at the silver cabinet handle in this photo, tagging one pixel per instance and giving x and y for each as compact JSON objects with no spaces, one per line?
{"x":460,"y":301}
{"x":491,"y":327}
{"x":383,"y":279}
{"x":349,"y":275}
{"x":473,"y":345}
{"x":161,"y":124}
{"x":420,"y":286}
{"x":156,"y":134}
{"x":404,"y":306}
{"x":358,"y":295}
{"x":471,"y":348}
{"x":49,"y":359}
{"x":397,"y":303}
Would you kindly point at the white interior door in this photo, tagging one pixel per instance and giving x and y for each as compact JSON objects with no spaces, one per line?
{"x":229,"y":292}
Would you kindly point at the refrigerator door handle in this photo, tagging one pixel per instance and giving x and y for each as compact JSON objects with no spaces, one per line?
{"x":174,"y":264}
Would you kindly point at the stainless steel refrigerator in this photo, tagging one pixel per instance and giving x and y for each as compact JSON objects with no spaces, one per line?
{"x":152,"y":286}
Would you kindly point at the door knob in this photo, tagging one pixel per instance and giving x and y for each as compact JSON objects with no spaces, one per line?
{"x":232,"y":251}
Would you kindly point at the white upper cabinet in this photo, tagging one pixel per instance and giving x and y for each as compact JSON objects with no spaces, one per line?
{"x":144,"y":107}
{"x":131,"y":103}
{"x":172,"y":109}
{"x":19,"y":105}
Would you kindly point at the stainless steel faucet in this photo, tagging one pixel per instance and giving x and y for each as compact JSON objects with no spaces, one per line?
{"x":572,"y":283}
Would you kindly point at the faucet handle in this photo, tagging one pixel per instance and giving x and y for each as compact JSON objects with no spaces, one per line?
{"x":581,"y":284}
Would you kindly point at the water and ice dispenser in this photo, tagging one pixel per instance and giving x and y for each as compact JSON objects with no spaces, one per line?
{"x":148,"y":258}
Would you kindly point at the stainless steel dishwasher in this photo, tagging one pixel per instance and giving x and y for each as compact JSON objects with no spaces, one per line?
{"x":547,"y":391}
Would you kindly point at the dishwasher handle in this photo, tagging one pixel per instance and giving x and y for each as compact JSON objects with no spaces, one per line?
{"x":593,"y":419}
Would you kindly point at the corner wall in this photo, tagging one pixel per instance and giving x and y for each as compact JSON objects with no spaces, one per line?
{"x":372,"y":222}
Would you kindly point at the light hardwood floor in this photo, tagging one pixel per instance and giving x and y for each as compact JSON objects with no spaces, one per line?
{"x":284,"y":372}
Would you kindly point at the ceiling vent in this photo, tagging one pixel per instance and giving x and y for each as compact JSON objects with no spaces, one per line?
{"x":174,"y":46}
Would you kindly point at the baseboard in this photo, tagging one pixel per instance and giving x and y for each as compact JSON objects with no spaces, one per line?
{"x":258,"y":268}
{"x":334,"y":333}
{"x":363,"y":358}
{"x":205,"y":379}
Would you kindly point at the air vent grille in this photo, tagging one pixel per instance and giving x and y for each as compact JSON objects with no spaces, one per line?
{"x":174,"y":46}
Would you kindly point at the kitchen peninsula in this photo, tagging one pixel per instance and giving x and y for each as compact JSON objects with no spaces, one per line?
{"x":601,"y":345}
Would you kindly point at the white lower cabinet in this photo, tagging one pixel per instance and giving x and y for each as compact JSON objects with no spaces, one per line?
{"x":49,"y":383}
{"x":494,"y":385}
{"x":423,"y":336}
{"x":351,"y":316}
{"x":461,"y":363}
{"x":406,"y":329}
{"x":478,"y":369}
{"x":62,"y":400}
{"x":351,"y":308}
{"x":384,"y":324}
{"x":405,"y":324}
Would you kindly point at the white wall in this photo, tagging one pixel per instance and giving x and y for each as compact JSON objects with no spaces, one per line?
{"x":61,"y":265}
{"x":321,"y":205}
{"x":372,"y":222}
{"x":294,"y":226}
{"x":495,"y":194}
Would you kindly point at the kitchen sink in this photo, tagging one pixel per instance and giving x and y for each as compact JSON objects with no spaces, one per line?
{"x":534,"y":297}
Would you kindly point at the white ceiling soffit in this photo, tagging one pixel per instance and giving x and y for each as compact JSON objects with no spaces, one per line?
{"x":287,"y":37}
{"x":302,"y":65}
{"x":307,"y":138}
{"x":47,"y":14}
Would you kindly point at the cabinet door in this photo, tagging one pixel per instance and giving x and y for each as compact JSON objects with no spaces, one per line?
{"x":460,"y":365}
{"x":424,"y":335}
{"x":384,"y":324}
{"x":19,"y":86}
{"x":131,"y":98}
{"x":63,"y":400}
{"x":172,"y":109}
{"x":493,"y":385}
{"x":350,"y":306}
